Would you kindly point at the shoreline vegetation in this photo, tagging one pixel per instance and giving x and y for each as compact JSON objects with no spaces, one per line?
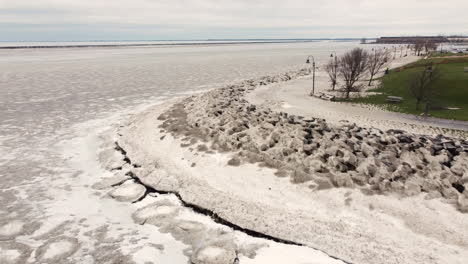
{"x":450,"y":91}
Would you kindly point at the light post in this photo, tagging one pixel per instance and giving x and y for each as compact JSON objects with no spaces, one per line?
{"x":428,"y":102}
{"x":335,"y":66}
{"x":313,"y":73}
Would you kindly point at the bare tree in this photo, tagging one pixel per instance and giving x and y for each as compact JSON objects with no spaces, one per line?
{"x":332,"y":69}
{"x":418,"y":83}
{"x":434,"y":75}
{"x":422,"y":86}
{"x":430,"y":45}
{"x":412,"y":48}
{"x":377,"y":60}
{"x":352,"y":67}
{"x":418,"y":47}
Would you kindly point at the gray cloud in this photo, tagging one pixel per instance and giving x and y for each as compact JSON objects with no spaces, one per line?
{"x":199,"y":19}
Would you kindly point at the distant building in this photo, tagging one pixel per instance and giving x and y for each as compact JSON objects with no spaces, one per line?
{"x":408,"y":40}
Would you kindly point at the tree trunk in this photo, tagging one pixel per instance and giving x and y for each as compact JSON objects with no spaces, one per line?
{"x":333,"y":87}
{"x":370,"y":81}
{"x":426,"y":110}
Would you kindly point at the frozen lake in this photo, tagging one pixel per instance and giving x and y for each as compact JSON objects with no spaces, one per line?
{"x":43,"y":90}
{"x":54,"y":103}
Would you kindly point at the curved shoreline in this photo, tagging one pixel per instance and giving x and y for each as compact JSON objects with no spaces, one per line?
{"x":289,"y":97}
{"x":172,"y":162}
{"x":214,"y":216}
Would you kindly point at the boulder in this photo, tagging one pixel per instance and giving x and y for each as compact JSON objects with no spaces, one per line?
{"x":342,"y":180}
{"x":350,"y":158}
{"x":300,"y":176}
{"x":462,"y":203}
{"x":235,"y":161}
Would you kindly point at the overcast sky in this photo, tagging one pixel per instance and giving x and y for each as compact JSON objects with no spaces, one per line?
{"x":23,"y":20}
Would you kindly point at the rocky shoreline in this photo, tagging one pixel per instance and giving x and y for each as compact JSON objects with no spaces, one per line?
{"x":219,"y":154}
{"x":314,"y":151}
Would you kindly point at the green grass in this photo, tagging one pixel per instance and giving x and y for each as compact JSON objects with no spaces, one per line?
{"x":446,"y":54}
{"x":452,"y":89}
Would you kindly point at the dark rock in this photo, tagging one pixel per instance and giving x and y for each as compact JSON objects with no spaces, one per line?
{"x":299,"y":176}
{"x":308,"y":149}
{"x":405,"y":139}
{"x":436,"y":148}
{"x":459,"y":187}
{"x":395,"y":131}
{"x":234,"y":162}
{"x":287,"y":151}
{"x":342,"y":180}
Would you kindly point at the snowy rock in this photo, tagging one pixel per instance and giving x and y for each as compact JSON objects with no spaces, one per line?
{"x":367,"y":168}
{"x":464,"y":178}
{"x":350,"y":158}
{"x":359,"y":178}
{"x":299,"y":176}
{"x":234,"y":162}
{"x":390,"y":161}
{"x":433,"y":195}
{"x":450,"y":193}
{"x":412,"y":188}
{"x":342,"y":180}
{"x":463,"y":203}
{"x":308,"y":149}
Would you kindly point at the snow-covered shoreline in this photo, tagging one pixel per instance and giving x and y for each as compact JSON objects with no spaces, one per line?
{"x":343,"y":222}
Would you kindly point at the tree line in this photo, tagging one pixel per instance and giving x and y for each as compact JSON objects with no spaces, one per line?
{"x":354,"y":65}
{"x":358,"y":63}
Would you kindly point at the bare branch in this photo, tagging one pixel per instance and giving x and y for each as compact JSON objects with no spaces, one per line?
{"x":377,"y":59}
{"x":352,"y":67}
{"x":332,"y":70}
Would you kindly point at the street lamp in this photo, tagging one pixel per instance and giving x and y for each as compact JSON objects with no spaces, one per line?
{"x":313,"y":74}
{"x":336,"y":58}
{"x":335,"y":66}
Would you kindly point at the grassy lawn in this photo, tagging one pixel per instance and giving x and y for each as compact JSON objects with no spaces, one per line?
{"x":452,"y":89}
{"x":446,"y":54}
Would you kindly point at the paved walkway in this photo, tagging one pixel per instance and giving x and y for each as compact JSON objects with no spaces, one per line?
{"x":292,"y":97}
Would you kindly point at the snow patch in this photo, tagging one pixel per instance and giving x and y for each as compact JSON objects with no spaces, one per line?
{"x":10,"y":229}
{"x":128,"y":192}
